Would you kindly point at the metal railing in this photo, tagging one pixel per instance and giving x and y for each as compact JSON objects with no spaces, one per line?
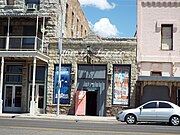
{"x":21,"y":43}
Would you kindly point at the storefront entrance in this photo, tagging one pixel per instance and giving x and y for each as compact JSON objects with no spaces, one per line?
{"x":91,"y":103}
{"x":12,"y":98}
{"x":39,"y":96}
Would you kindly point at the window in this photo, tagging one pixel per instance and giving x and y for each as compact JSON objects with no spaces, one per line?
{"x":28,"y":41}
{"x":164,"y":105}
{"x":13,"y":73}
{"x":150,"y":105}
{"x":154,"y":73}
{"x":66,"y":19}
{"x":81,"y":30}
{"x":33,"y":1}
{"x":72,"y":21}
{"x":166,"y":37}
{"x":40,"y":73}
{"x":10,"y":2}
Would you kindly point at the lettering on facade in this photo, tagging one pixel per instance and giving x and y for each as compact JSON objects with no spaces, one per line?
{"x":100,"y":53}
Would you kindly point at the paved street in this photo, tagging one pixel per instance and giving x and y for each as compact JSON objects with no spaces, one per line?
{"x":16,"y":126}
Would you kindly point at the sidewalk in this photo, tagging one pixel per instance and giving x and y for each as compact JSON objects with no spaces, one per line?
{"x":60,"y":117}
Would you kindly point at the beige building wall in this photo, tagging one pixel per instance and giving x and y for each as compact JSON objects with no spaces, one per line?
{"x":151,"y":14}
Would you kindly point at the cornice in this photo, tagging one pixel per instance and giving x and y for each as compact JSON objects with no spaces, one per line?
{"x":160,"y":4}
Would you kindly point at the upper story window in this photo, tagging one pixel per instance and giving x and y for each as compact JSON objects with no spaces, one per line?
{"x":66,"y":19}
{"x":167,"y":37}
{"x":32,"y":4}
{"x":33,"y":1}
{"x":10,"y":2}
{"x":72,"y":20}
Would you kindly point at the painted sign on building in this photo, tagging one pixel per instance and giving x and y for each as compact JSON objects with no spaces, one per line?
{"x":65,"y":84}
{"x":121,"y":83}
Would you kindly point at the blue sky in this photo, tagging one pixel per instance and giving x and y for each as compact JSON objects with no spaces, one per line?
{"x":111,"y":18}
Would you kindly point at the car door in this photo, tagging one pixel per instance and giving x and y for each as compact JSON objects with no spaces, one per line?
{"x":147,"y":112}
{"x":164,"y":111}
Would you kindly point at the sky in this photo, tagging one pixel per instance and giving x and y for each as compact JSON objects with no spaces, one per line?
{"x":111,"y":18}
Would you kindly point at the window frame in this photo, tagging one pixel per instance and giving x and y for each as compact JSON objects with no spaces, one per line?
{"x":170,"y":47}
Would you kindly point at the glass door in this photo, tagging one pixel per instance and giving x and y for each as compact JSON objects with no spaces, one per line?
{"x":12,"y":97}
{"x":38,"y":96}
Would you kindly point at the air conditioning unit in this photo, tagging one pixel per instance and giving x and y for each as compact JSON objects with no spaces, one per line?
{"x":31,"y":6}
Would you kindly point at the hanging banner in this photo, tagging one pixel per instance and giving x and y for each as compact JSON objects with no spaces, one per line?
{"x":65,"y":84}
{"x":121,"y":83}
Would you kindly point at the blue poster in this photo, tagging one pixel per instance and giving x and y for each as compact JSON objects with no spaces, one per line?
{"x":65,"y":85}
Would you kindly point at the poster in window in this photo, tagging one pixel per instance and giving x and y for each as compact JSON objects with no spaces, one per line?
{"x":65,"y":85}
{"x":121,"y":88}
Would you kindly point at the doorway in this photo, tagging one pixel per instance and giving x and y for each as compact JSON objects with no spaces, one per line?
{"x":39,"y":96}
{"x":91,"y":103}
{"x":12,"y":98}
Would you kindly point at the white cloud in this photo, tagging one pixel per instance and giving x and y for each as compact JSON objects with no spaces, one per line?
{"x":104,"y":28}
{"x":101,"y":4}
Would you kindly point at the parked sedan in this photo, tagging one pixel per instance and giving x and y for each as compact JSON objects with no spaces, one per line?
{"x":152,"y":111}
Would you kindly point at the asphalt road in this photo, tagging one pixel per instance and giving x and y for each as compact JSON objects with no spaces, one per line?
{"x":10,"y":126}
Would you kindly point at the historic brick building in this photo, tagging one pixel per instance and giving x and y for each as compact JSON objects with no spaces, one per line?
{"x":98,"y":75}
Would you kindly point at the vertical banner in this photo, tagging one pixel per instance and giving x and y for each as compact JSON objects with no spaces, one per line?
{"x":121,"y":83}
{"x":65,"y":84}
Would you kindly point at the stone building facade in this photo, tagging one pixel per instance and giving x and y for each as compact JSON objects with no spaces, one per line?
{"x":109,"y":59}
{"x":26,"y":30}
{"x":158,"y":59}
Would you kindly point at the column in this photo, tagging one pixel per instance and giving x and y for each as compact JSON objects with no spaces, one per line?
{"x":32,"y":104}
{"x":1,"y":84}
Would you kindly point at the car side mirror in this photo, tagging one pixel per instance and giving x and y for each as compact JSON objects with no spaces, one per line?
{"x":140,"y":108}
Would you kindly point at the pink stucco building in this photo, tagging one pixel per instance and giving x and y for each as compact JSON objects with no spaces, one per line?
{"x":158,"y":50}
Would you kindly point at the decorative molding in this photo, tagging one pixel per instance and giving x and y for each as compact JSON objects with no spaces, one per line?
{"x":160,"y":22}
{"x":160,"y":4}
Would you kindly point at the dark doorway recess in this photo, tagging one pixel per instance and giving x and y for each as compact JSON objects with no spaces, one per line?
{"x":91,"y":103}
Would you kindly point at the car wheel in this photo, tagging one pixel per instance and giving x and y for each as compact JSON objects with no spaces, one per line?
{"x":130,"y":119}
{"x":175,"y":120}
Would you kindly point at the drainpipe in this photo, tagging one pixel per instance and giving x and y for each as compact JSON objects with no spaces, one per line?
{"x":1,"y":84}
{"x":32,"y":105}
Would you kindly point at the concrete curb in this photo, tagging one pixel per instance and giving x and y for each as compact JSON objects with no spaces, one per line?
{"x":60,"y":117}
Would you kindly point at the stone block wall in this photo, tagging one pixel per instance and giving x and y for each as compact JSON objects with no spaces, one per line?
{"x":106,"y":51}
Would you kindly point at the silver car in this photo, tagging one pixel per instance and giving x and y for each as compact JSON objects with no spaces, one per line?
{"x":152,"y":111}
